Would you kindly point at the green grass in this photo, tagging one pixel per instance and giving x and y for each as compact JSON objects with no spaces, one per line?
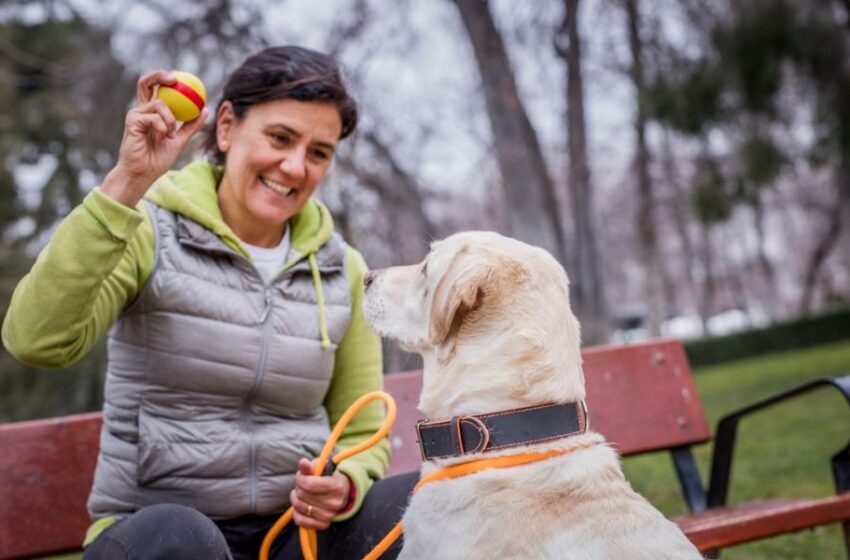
{"x":782,"y":452}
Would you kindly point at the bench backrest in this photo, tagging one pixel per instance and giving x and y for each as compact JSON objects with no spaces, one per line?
{"x":641,"y":397}
{"x":46,"y":470}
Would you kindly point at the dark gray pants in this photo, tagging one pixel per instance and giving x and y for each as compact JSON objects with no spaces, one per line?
{"x":173,"y":532}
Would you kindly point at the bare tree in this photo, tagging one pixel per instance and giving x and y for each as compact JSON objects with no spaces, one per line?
{"x":654,"y":278}
{"x":678,"y":210}
{"x":587,"y":287}
{"x":709,"y":284}
{"x":843,"y":179}
{"x":401,"y":199}
{"x":533,"y":215}
{"x":826,"y":241}
{"x":771,"y":293}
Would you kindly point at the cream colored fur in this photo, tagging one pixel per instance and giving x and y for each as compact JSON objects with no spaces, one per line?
{"x":491,"y":318}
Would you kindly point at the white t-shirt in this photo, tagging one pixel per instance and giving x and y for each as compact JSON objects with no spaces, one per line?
{"x":268,"y":260}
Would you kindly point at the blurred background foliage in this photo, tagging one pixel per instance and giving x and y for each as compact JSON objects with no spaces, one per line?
{"x":688,"y":161}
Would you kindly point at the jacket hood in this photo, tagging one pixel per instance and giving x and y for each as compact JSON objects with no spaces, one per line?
{"x":192,"y":192}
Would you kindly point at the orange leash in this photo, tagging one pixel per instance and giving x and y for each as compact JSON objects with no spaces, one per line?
{"x":462,"y":469}
{"x":308,"y":536}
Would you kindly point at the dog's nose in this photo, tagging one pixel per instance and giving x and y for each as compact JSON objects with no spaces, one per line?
{"x":369,"y":277}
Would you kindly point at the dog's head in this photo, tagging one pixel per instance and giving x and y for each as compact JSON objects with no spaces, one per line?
{"x":491,"y":318}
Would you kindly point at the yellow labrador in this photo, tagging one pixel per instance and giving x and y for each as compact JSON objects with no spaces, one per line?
{"x":491,"y":318}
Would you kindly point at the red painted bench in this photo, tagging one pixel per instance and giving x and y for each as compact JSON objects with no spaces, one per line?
{"x":46,"y":466}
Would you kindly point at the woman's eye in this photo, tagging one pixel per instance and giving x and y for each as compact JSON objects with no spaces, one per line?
{"x":280,"y":138}
{"x":321,"y":155}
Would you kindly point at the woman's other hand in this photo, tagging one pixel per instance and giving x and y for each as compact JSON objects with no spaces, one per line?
{"x":316,"y":500}
{"x":151,"y":144}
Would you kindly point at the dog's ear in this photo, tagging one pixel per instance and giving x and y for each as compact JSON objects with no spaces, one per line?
{"x":457,"y":293}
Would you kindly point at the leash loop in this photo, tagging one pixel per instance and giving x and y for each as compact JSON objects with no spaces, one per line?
{"x":325,"y":465}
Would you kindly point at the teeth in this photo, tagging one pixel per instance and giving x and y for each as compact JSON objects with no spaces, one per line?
{"x":275,"y":186}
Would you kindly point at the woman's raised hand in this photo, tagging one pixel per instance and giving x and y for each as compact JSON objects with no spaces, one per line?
{"x":151,"y":144}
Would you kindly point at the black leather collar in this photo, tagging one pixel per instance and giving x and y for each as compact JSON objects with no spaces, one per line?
{"x":481,"y":433}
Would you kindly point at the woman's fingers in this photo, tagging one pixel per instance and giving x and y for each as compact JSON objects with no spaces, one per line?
{"x":188,"y":129}
{"x":142,"y":123}
{"x":333,"y":486}
{"x":331,"y":500}
{"x":316,"y":500}
{"x":147,"y":84}
{"x":158,"y":108}
{"x":306,"y":466}
{"x":156,"y":115}
{"x":310,"y":516}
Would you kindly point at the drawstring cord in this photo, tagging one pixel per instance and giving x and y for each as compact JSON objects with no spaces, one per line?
{"x":308,"y":536}
{"x":320,"y":299}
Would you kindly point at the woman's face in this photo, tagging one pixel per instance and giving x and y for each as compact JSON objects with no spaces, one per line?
{"x":276,"y":156}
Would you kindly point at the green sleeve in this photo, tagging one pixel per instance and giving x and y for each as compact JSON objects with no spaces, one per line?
{"x":96,"y":263}
{"x":358,"y":370}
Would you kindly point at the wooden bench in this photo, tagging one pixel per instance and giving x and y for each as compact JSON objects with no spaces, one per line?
{"x":641,"y":397}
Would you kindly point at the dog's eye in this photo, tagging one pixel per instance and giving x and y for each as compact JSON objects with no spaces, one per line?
{"x":424,"y":269}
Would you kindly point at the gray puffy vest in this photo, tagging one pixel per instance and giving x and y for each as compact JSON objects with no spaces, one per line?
{"x":216,"y":380}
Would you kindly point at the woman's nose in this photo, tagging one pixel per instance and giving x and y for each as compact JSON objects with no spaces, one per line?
{"x":293,"y":165}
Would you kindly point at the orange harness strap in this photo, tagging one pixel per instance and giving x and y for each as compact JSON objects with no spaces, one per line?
{"x":462,"y":469}
{"x":308,"y":536}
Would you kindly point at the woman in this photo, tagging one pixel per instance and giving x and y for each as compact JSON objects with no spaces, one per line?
{"x":236,"y":336}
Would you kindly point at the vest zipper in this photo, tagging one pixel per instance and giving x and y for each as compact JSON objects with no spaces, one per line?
{"x":258,"y":379}
{"x":267,"y":305}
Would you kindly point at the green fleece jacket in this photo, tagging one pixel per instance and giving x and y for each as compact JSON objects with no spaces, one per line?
{"x":101,"y":257}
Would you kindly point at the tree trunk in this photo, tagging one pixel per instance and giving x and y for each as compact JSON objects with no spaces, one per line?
{"x":679,"y":210}
{"x":844,"y":165}
{"x":824,"y":246}
{"x":708,"y":286}
{"x":847,"y":13}
{"x":653,"y":281}
{"x":533,"y":215}
{"x":402,"y":206}
{"x":587,"y":287}
{"x":771,"y":293}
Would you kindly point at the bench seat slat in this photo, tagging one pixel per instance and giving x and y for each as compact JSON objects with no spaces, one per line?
{"x":737,"y":524}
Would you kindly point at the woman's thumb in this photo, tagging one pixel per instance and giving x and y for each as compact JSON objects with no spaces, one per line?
{"x":305,"y":467}
{"x":190,"y":128}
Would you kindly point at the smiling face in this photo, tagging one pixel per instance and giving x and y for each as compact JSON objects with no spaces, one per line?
{"x":277,"y":154}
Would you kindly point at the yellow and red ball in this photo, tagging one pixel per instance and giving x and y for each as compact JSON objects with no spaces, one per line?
{"x":185,"y":98}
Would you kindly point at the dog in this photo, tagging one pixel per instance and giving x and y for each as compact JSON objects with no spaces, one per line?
{"x":491,"y":318}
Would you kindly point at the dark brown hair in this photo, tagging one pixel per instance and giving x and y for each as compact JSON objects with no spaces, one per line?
{"x":284,"y":73}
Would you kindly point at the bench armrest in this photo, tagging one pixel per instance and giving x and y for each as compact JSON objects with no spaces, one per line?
{"x":721,"y":463}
